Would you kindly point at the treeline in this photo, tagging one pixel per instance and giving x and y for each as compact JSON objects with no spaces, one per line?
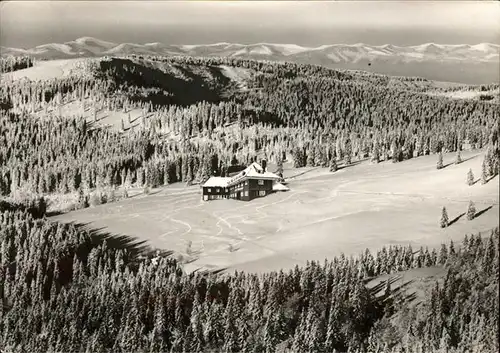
{"x":63,"y":289}
{"x":13,"y":63}
{"x":64,"y":155}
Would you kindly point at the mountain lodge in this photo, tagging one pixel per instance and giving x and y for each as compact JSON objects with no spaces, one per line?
{"x":247,"y":185}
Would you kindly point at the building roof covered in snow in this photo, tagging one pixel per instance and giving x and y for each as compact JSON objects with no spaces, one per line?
{"x":217,"y":182}
{"x":254,"y":170}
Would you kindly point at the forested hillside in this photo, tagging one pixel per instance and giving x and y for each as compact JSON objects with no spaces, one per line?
{"x":13,"y":63}
{"x":197,"y":120}
{"x":64,"y":288}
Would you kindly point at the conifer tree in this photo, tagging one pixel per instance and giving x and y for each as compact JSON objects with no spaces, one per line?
{"x":484,"y":173}
{"x":443,"y":255}
{"x":375,"y":158}
{"x":470,"y":178}
{"x":471,"y":211}
{"x":310,"y":158}
{"x":439,"y":164}
{"x":458,"y":158}
{"x":348,"y":152}
{"x":333,"y":165}
{"x":444,"y":218}
{"x":279,"y":166}
{"x":318,"y":156}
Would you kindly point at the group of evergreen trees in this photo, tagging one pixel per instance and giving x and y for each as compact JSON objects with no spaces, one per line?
{"x":471,"y":214}
{"x":319,"y":117}
{"x":63,"y":289}
{"x":489,"y":168}
{"x":13,"y":63}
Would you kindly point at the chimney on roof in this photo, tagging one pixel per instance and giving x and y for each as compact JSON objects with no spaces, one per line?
{"x":263,"y":164}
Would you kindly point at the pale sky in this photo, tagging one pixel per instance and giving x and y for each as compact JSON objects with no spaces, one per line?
{"x":309,"y":23}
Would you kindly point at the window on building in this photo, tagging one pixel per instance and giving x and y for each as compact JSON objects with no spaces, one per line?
{"x":246,"y":182}
{"x":217,"y":190}
{"x":261,"y":182}
{"x":209,"y":190}
{"x":262,"y":193}
{"x":246,"y":193}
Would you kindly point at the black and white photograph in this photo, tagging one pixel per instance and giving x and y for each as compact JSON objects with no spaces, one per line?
{"x":249,"y":176}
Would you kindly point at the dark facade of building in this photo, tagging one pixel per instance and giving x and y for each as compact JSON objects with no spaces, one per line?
{"x":249,"y":184}
{"x":215,"y":193}
{"x":250,"y":189}
{"x":246,"y":190}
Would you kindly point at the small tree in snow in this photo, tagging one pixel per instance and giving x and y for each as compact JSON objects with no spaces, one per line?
{"x":484,"y":173}
{"x":333,"y":165}
{"x":458,"y":159}
{"x":439,"y":164}
{"x":444,"y":218}
{"x":471,"y":211}
{"x":491,"y":161}
{"x":375,"y":158}
{"x":279,"y":166}
{"x":470,"y":178}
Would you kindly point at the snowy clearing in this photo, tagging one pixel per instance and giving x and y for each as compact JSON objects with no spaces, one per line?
{"x":323,"y":215}
{"x":47,"y":70}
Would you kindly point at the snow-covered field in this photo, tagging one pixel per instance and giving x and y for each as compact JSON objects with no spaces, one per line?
{"x":418,"y":282}
{"x":324,"y":214}
{"x":47,"y":70}
{"x":237,"y":74}
{"x":104,"y":118}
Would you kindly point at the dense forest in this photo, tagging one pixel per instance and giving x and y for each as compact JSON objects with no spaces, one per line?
{"x":196,"y":122}
{"x":67,"y":288}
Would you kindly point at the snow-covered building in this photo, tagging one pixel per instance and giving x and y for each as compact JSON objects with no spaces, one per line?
{"x":248,"y":184}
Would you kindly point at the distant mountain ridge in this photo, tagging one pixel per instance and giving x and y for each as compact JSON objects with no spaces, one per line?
{"x":88,"y":46}
{"x":428,"y":60}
